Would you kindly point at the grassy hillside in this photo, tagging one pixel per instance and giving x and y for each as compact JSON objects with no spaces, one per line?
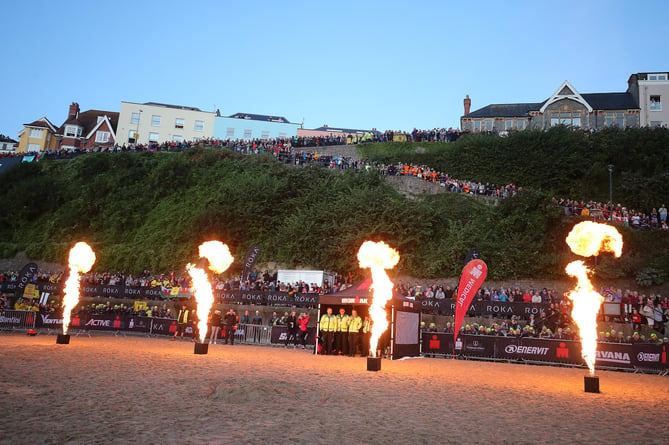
{"x":152,"y":210}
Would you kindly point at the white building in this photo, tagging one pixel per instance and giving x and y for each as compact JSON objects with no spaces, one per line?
{"x":153,"y":122}
{"x":650,"y":91}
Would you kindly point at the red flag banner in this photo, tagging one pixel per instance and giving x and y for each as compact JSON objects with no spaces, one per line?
{"x":473,"y":276}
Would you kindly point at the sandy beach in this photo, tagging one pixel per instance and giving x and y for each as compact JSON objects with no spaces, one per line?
{"x":153,"y":391}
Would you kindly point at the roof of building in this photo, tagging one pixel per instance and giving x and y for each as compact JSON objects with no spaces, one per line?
{"x":260,"y":117}
{"x":505,"y":110}
{"x":341,"y":130}
{"x":610,"y":101}
{"x":42,"y":122}
{"x":89,"y":119}
{"x":178,"y":107}
{"x":598,"y":101}
{"x":4,"y":138}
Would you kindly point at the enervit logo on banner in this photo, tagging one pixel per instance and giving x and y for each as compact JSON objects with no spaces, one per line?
{"x":614,"y":357}
{"x":648,"y":357}
{"x":529,"y":350}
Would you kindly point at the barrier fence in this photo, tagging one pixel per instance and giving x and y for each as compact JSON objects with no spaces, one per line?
{"x":609,"y":355}
{"x":83,"y":323}
{"x":17,"y":320}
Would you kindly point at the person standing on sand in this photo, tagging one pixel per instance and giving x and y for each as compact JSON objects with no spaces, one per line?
{"x":230,"y":321}
{"x":303,"y":323}
{"x":215,"y":326}
{"x":354,"y":326}
{"x":182,"y":322}
{"x":291,"y":329}
{"x":328,"y":326}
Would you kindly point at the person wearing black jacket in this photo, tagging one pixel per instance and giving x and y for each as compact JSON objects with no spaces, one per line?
{"x":215,"y":326}
{"x":291,"y":329}
{"x":230,"y":322}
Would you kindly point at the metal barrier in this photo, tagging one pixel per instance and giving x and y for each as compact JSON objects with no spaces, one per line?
{"x":17,"y":320}
{"x":256,"y":334}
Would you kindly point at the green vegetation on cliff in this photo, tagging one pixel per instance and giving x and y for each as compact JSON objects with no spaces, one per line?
{"x":152,"y":210}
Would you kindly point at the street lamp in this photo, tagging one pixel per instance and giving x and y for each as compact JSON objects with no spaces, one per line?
{"x":137,"y":130}
{"x":610,"y":166}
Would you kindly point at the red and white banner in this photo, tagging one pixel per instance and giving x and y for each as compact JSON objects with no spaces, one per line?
{"x":473,"y":276}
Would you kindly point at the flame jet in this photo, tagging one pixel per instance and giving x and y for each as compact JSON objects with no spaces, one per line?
{"x":219,"y":257}
{"x":586,"y":239}
{"x":378,"y":257}
{"x":80,"y":261}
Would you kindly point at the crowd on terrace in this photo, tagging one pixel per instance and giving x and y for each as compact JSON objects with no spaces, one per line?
{"x":292,"y":150}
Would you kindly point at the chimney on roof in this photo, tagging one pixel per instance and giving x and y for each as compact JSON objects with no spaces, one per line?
{"x":73,"y":113}
{"x":468,"y":104}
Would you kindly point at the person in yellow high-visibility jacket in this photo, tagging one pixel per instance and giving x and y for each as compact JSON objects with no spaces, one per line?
{"x":354,"y":326}
{"x":328,"y":327}
{"x":366,"y":334}
{"x":341,"y":337}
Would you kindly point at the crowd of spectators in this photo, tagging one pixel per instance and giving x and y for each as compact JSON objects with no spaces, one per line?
{"x":288,"y":150}
{"x":655,"y":219}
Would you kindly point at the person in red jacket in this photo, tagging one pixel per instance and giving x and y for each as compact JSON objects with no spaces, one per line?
{"x":303,"y":323}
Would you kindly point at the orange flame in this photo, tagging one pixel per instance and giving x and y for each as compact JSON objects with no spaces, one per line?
{"x":80,"y":260}
{"x":586,"y":239}
{"x":378,"y":257}
{"x":219,"y":257}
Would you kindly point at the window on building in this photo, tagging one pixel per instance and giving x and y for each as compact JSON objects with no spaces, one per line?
{"x":568,"y":119}
{"x":36,"y":133}
{"x":155,"y":121}
{"x":655,"y":103}
{"x":102,"y":137}
{"x":477,"y":125}
{"x":230,"y":133}
{"x":199,"y":126}
{"x":520,"y":124}
{"x":248,"y":134}
{"x":662,"y":76}
{"x":655,"y":123}
{"x":488,"y":125}
{"x":33,"y":147}
{"x":177,"y":138}
{"x":264,"y":135}
{"x":178,"y":123}
{"x":134,"y":118}
{"x":132,"y":137}
{"x":153,"y":137}
{"x":72,"y":131}
{"x":508,"y":125}
{"x":614,"y":120}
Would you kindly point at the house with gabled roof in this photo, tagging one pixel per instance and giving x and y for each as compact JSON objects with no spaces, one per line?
{"x":38,"y":136}
{"x":7,"y":144}
{"x":566,"y":106}
{"x":88,"y":129}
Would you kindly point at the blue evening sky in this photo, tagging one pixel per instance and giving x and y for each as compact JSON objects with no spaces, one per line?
{"x":356,"y":64}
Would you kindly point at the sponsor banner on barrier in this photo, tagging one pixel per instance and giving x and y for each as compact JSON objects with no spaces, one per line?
{"x":280,"y":334}
{"x":268,"y":298}
{"x":618,"y":355}
{"x":615,"y":355}
{"x":485,"y":308}
{"x":650,"y":356}
{"x":437,"y":343}
{"x":163,"y":326}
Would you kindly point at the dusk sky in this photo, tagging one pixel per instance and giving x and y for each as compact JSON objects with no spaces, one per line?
{"x":360,"y":64}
